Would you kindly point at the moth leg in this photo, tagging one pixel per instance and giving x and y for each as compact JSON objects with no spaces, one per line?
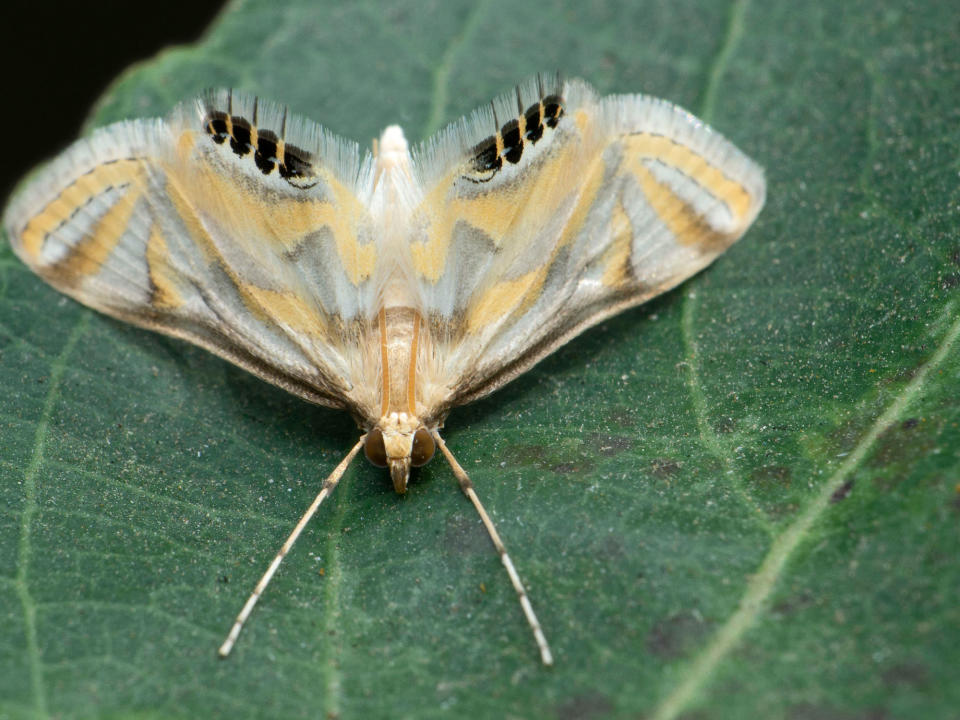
{"x":328,"y":485}
{"x":467,"y":486}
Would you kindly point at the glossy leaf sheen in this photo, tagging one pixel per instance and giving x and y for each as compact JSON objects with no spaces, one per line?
{"x":738,"y":501}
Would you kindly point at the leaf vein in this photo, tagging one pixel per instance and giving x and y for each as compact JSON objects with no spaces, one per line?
{"x":708,"y":436}
{"x":30,"y":509}
{"x":762,"y":583}
{"x":722,"y":59}
{"x":441,"y":73}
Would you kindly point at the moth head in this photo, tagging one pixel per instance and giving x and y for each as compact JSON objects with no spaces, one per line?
{"x":399,"y":442}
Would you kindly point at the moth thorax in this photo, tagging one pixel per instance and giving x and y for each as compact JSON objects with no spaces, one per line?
{"x":399,"y":441}
{"x":393,"y":150}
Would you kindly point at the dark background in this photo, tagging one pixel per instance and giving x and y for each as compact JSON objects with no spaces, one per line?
{"x":57,"y":59}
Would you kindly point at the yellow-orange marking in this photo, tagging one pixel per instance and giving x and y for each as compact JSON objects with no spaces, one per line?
{"x":694,"y":166}
{"x":165,"y":294}
{"x":87,"y":256}
{"x":384,"y":364}
{"x":286,"y":221}
{"x":75,"y":195}
{"x":540,"y":192}
{"x":688,"y":228}
{"x":616,"y":258}
{"x":285,"y":308}
{"x":412,"y":378}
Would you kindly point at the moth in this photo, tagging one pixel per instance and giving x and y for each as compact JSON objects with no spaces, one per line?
{"x":394,"y":284}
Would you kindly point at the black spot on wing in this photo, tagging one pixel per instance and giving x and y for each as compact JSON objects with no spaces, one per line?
{"x":266,"y":146}
{"x":512,"y":137}
{"x":512,"y":142}
{"x":534,"y":122}
{"x":216,"y":127}
{"x":294,"y":163}
{"x":266,"y":154}
{"x":485,"y":156}
{"x":240,"y":137}
{"x":296,"y":168}
{"x":552,"y":110}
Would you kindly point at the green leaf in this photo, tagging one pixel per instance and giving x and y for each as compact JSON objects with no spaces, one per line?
{"x":739,"y":501}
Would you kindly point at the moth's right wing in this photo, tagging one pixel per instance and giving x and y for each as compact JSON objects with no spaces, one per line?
{"x":572,"y":208}
{"x":228,"y":224}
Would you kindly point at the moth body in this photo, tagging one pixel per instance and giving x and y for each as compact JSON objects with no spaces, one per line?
{"x":397,"y":284}
{"x":396,"y":438}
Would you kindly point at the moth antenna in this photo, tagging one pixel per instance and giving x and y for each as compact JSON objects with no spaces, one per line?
{"x":467,"y":486}
{"x":328,"y":485}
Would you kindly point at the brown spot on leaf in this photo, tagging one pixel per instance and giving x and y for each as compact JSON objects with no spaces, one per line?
{"x":810,"y":711}
{"x":463,"y":535}
{"x":674,"y":636}
{"x":664,"y":467}
{"x":901,"y":444}
{"x":906,"y":674}
{"x":693,"y":715}
{"x":612,"y":547}
{"x":793,"y":603}
{"x":586,"y":706}
{"x":582,"y":465}
{"x":524,"y":454}
{"x":778,"y":475}
{"x":610,"y":445}
{"x":621,"y":417}
{"x":725,"y":425}
{"x":551,"y":459}
{"x":841,"y":492}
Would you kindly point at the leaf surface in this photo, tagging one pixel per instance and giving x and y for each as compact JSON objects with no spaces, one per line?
{"x":737,"y":501}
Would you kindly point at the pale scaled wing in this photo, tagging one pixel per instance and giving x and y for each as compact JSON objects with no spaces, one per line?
{"x":533,"y":233}
{"x":228,"y":224}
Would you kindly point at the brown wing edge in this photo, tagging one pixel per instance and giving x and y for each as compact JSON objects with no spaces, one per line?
{"x":224,"y":349}
{"x":227,"y":349}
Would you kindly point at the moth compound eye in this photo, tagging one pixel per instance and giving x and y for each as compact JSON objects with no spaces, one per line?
{"x":423,"y":448}
{"x":373,"y":448}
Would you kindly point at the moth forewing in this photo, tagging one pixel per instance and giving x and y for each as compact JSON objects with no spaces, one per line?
{"x":609,"y":203}
{"x":396,"y":285}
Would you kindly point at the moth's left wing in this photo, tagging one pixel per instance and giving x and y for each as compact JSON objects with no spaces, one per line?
{"x":573,"y":209}
{"x":230,"y":223}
